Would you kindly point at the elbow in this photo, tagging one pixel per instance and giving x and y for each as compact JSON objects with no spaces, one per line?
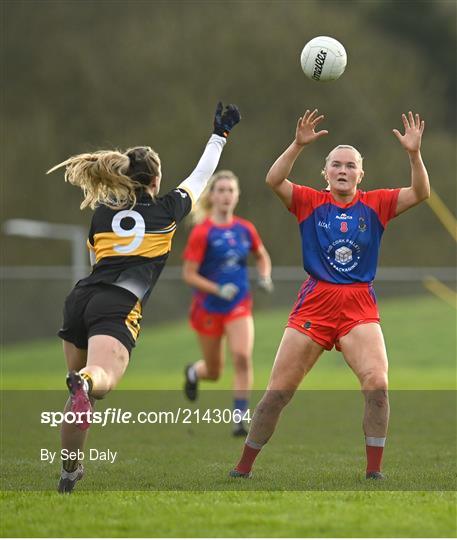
{"x":424,"y":195}
{"x":421,"y":195}
{"x":271,"y":181}
{"x":186,"y":277}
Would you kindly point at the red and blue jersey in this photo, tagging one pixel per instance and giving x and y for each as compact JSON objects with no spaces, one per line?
{"x":340,"y":242}
{"x":222,"y":252}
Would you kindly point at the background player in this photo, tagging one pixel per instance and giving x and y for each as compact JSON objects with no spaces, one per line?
{"x":215,"y":261}
{"x":129,"y":241}
{"x":341,"y":231}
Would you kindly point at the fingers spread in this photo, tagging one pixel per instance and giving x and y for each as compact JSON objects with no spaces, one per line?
{"x":317,"y":120}
{"x":411,"y":119}
{"x":405,"y":121}
{"x":312,"y":115}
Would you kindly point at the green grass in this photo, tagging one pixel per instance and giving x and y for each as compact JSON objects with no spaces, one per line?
{"x":308,"y":480}
{"x":230,"y":514}
{"x":419,"y":332}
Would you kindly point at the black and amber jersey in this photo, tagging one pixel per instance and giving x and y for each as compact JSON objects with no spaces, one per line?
{"x":129,"y":247}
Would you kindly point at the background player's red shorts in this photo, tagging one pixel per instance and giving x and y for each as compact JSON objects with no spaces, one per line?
{"x":327,"y":311}
{"x":212,"y":324}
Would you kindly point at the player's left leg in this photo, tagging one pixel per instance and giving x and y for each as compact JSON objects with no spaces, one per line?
{"x":71,"y":436}
{"x":210,"y":367}
{"x":76,"y":358}
{"x":240,"y":340}
{"x":365,"y":352}
{"x":107,"y":360}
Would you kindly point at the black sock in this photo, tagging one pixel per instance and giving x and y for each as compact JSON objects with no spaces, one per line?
{"x":70,"y":465}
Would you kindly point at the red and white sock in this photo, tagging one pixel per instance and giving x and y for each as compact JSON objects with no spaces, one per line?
{"x":250,"y":451}
{"x":374,"y":448}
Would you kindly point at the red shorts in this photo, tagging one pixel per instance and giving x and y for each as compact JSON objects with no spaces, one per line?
{"x":327,"y":311}
{"x":212,"y":324}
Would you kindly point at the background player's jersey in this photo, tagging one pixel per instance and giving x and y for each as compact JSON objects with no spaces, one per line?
{"x":130,"y":247}
{"x":222,"y":252}
{"x":340,"y":242}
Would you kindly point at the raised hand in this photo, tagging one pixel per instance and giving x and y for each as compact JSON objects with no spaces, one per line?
{"x":306,"y":128}
{"x":224,"y":120}
{"x":414,"y":127}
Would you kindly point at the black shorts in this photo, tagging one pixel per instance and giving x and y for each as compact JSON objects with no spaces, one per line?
{"x":101,"y":309}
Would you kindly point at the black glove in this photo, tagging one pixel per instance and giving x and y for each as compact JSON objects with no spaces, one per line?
{"x":224,"y":121}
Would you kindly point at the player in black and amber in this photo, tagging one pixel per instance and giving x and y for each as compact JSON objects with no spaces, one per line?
{"x":129,"y":243}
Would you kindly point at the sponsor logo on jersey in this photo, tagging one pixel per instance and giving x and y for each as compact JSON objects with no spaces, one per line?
{"x":231,"y":261}
{"x":343,"y":254}
{"x":343,"y":216}
{"x":344,"y":226}
{"x":324,"y":224}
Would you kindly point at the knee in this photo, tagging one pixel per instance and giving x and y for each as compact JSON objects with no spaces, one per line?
{"x":274,"y":401}
{"x":241,"y":362}
{"x":375,"y":381}
{"x":374,"y":389}
{"x":377,"y":399}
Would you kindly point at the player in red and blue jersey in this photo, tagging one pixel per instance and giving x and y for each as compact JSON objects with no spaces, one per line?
{"x":215,"y":265}
{"x":341,"y":229}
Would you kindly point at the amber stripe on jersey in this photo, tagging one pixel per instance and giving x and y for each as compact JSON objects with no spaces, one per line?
{"x":154,"y":244}
{"x":133,"y":320}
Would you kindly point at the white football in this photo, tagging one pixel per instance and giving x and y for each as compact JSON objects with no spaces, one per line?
{"x":323,"y":59}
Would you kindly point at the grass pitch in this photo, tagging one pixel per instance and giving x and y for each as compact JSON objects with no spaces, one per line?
{"x":420,"y":334}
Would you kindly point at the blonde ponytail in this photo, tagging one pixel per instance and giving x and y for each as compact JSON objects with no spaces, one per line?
{"x":103,"y":176}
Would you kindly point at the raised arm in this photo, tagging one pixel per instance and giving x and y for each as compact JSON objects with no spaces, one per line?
{"x":224,"y":120}
{"x":411,"y":142}
{"x":304,"y":134}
